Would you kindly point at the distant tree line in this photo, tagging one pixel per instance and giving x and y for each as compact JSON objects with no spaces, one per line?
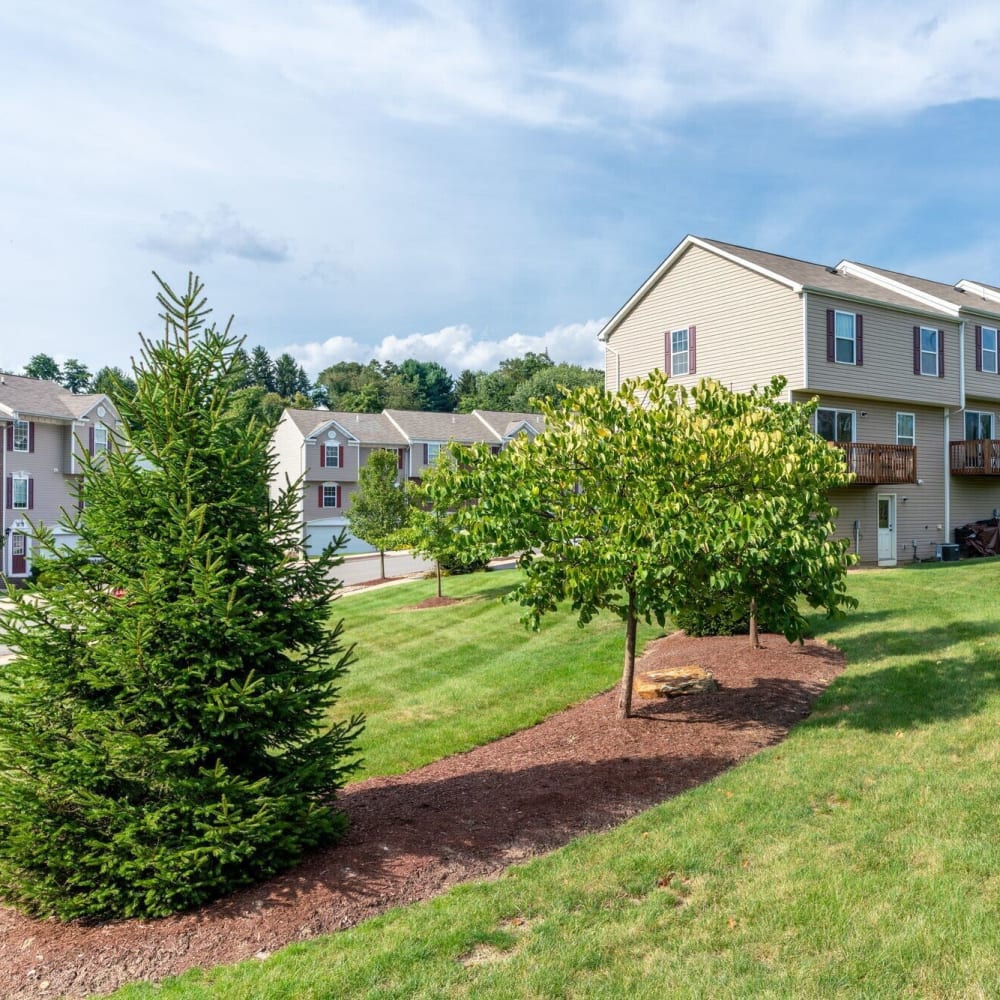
{"x":266,"y":385}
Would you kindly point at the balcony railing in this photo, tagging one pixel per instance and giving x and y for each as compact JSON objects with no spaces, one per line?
{"x":877,"y":464}
{"x":975,"y":458}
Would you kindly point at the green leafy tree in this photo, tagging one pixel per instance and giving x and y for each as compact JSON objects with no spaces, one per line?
{"x":379,"y":507}
{"x":549,"y":382}
{"x":630,"y":502}
{"x":165,"y":719}
{"x":435,"y":389}
{"x":75,"y":376}
{"x":114,"y":383}
{"x":42,"y":366}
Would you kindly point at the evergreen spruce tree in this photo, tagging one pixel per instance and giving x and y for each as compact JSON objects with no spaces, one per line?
{"x":164,"y":723}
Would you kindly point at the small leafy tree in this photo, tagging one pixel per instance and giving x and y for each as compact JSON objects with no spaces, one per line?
{"x":42,"y":366}
{"x":164,"y":723}
{"x":629,"y":502}
{"x":379,"y":508}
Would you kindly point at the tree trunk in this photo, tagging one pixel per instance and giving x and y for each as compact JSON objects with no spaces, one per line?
{"x":628,"y":668}
{"x":437,"y":565}
{"x":381,"y":556}
{"x":754,"y":638}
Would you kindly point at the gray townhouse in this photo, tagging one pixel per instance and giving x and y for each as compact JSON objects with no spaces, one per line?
{"x":325,"y":450}
{"x":45,"y":430}
{"x":905,"y":368}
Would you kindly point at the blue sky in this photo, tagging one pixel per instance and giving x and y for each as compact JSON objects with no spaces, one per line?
{"x":465,"y":181}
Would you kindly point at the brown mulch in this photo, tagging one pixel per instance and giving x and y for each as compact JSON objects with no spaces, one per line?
{"x":433,"y":602}
{"x":465,"y":817}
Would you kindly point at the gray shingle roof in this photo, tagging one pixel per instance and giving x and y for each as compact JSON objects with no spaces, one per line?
{"x":33,"y":397}
{"x":465,"y":428}
{"x":368,"y":428}
{"x":964,"y":300}
{"x":505,"y":423}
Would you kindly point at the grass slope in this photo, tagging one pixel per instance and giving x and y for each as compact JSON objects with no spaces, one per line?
{"x":857,"y":859}
{"x":437,"y":681}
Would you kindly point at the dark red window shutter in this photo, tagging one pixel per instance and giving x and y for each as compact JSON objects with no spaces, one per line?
{"x":322,"y":456}
{"x":320,"y":494}
{"x":859,"y":340}
{"x":399,"y":458}
{"x":10,"y":437}
{"x":10,"y":493}
{"x":666,"y":352}
{"x":341,"y":457}
{"x":940,"y":353}
{"x":340,"y":499}
{"x":692,"y":351}
{"x":979,"y":348}
{"x":916,"y":350}
{"x":425,"y":454}
{"x":31,"y":494}
{"x":830,"y":348}
{"x":90,"y":445}
{"x":31,"y":436}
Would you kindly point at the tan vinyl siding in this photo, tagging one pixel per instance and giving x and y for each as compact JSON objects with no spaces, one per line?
{"x":921,"y":517}
{"x":985,"y":385}
{"x":286,"y":443}
{"x":887,"y":371}
{"x":748,"y":326}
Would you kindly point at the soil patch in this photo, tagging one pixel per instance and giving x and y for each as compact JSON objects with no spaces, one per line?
{"x":465,"y":817}
{"x":433,"y":602}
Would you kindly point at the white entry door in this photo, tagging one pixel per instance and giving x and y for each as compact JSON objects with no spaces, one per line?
{"x":887,"y":529}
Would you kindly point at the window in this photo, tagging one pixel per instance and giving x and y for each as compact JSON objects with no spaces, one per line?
{"x":20,"y":493}
{"x":906,"y":428}
{"x":22,"y":435}
{"x":331,"y":456}
{"x":986,"y":349}
{"x":844,"y":338}
{"x":433,"y":450}
{"x":978,"y":426}
{"x":835,"y":425}
{"x":928,"y":351}
{"x":100,"y":438}
{"x":329,"y":495}
{"x":679,"y":352}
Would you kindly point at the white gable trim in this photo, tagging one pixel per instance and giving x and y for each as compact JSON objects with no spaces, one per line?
{"x":388,"y":416}
{"x":990,"y":294}
{"x":325,"y":426}
{"x":678,"y":251}
{"x":892,"y":285}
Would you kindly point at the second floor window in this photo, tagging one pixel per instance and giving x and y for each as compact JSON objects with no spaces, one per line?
{"x":20,"y":492}
{"x":906,"y":428}
{"x":330,"y":496}
{"x":835,"y":425}
{"x":679,"y":357}
{"x":845,"y":338}
{"x":100,"y":439}
{"x":927,"y":359}
{"x":978,"y":426}
{"x":433,"y":450}
{"x":986,"y":349}
{"x":331,"y":456}
{"x":22,"y":435}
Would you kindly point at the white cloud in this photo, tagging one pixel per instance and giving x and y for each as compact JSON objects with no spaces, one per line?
{"x":192,"y":240}
{"x":459,"y":347}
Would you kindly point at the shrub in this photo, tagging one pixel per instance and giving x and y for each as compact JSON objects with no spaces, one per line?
{"x":716,"y":614}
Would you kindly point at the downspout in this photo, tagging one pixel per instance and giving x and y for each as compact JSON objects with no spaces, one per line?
{"x":805,"y":340}
{"x":947,"y":474}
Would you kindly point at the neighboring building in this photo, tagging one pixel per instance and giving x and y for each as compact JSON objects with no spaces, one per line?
{"x":324,"y":451}
{"x":906,"y":371}
{"x":45,"y":429}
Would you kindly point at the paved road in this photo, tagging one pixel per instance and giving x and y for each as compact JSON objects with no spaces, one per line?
{"x":362,"y":569}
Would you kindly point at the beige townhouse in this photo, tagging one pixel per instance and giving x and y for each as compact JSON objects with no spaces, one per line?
{"x":45,"y":430}
{"x":905,"y":370}
{"x":323,"y":451}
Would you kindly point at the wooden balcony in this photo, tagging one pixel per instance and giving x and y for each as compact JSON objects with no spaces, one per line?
{"x":880,"y":464}
{"x":975,"y":458}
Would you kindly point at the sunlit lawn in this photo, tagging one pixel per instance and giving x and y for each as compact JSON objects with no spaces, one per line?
{"x":859,"y":858}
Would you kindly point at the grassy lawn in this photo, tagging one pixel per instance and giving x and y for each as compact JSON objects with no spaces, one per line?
{"x":860,"y":858}
{"x":437,"y":681}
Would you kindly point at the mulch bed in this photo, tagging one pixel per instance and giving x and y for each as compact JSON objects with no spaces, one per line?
{"x":466,"y":817}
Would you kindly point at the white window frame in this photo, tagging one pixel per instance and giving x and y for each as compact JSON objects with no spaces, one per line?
{"x":983,"y":416}
{"x":18,"y":544}
{"x":680,"y":352}
{"x":328,"y":490}
{"x":911,"y":438}
{"x":927,"y":353}
{"x":433,"y":451}
{"x":839,"y":339}
{"x":19,"y":483}
{"x":22,"y":435}
{"x":836,"y":421}
{"x":100,"y":438}
{"x":332,"y":456}
{"x":984,"y":350}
